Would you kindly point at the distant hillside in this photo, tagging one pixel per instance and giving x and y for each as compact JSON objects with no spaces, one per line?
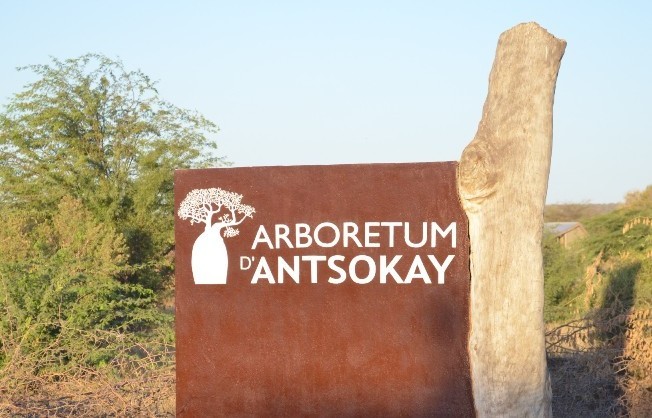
{"x":567,"y":212}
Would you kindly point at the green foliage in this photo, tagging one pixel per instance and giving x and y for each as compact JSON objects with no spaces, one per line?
{"x":606,"y":233}
{"x":602,"y":336}
{"x":64,"y":273}
{"x":90,"y":129}
{"x":619,"y":292}
{"x":87,"y":155}
{"x":616,"y":259}
{"x":563,"y":272}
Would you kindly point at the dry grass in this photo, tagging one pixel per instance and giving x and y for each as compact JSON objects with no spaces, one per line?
{"x":601,"y":366}
{"x":138,"y":382}
{"x":99,"y":396}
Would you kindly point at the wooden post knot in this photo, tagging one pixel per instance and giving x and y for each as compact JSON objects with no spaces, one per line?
{"x":477,"y":173}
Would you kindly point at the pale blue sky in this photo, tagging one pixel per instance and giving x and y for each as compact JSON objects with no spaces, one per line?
{"x":329,"y":82}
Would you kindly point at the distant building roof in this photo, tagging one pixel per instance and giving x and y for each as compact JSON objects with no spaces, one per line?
{"x":560,"y":228}
{"x":565,"y":232}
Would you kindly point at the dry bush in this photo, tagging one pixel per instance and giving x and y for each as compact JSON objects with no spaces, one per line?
{"x":635,"y":365}
{"x":138,"y":381}
{"x":601,"y":366}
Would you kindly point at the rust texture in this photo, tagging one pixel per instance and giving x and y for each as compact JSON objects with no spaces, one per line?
{"x":323,"y":349}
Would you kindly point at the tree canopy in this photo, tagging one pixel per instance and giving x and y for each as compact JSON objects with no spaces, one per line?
{"x":90,"y":129}
{"x":87,"y":156}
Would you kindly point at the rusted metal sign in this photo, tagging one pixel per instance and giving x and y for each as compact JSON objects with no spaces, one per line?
{"x":322,"y":291}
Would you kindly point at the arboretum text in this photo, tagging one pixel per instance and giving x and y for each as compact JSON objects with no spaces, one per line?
{"x":360,"y":269}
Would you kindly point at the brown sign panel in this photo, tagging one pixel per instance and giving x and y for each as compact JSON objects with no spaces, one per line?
{"x":322,"y":291}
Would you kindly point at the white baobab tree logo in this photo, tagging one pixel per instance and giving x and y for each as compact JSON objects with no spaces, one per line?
{"x":210,"y":261}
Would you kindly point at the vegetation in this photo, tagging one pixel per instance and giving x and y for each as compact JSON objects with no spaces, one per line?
{"x":87,"y":154}
{"x":613,"y":262}
{"x":563,"y":272}
{"x":598,"y":296}
{"x":572,"y":212}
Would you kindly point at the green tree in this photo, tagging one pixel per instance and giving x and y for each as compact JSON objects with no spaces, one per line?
{"x":87,"y":156}
{"x":90,"y":129}
{"x":60,"y":274}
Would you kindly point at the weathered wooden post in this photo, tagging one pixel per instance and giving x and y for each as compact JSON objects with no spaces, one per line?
{"x":375,"y":289}
{"x":503,"y":179}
